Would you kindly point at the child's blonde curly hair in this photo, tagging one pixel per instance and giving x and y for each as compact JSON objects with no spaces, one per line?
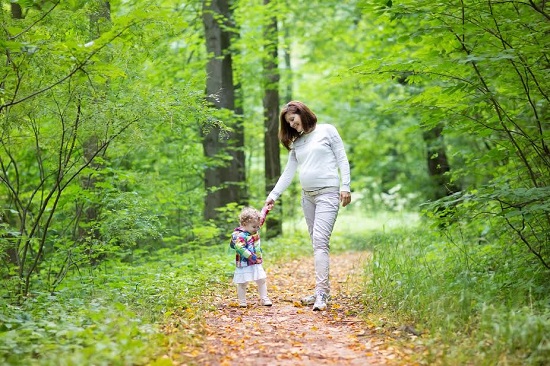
{"x":249,"y":214}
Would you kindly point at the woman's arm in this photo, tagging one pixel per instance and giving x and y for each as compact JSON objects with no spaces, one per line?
{"x":285,"y":179}
{"x":339,"y":151}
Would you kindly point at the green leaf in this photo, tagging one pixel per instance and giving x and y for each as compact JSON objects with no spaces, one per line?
{"x":11,"y":46}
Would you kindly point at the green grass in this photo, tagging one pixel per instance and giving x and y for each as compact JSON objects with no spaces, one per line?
{"x":482,"y":303}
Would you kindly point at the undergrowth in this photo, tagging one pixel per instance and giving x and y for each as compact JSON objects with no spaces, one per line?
{"x":477,"y":300}
{"x":110,"y":315}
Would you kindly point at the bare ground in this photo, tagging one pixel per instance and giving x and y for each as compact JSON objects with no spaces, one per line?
{"x":291,"y":334}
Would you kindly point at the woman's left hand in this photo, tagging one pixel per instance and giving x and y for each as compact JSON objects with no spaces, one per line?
{"x":345,"y":198}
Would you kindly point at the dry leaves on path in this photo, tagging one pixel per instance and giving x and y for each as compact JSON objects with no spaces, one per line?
{"x":290,"y":334}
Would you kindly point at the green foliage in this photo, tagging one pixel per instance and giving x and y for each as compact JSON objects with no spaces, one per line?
{"x":518,"y":214}
{"x":469,"y":67}
{"x":91,"y":154}
{"x":473,"y":294}
{"x":47,"y":331}
{"x":111,"y":314}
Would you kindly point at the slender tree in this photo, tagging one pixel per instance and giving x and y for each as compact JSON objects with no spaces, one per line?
{"x":222,"y":140}
{"x":100,"y":21}
{"x":271,"y":102}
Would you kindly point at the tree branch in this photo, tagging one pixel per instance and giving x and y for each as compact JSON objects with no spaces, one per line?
{"x":36,"y":22}
{"x":77,"y":68}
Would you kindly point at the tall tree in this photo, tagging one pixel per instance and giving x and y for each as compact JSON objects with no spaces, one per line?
{"x":16,"y":11}
{"x":88,"y":212}
{"x":472,"y":66}
{"x":224,"y":139}
{"x":271,"y":102}
{"x":438,"y":163}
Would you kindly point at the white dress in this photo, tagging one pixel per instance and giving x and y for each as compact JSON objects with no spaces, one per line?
{"x":250,"y":273}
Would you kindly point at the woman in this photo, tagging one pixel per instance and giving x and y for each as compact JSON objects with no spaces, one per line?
{"x":317,"y":151}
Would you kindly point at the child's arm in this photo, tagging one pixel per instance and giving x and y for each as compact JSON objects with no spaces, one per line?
{"x":240,"y":247}
{"x":264,"y":212}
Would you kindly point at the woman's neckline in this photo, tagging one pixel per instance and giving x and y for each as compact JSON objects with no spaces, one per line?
{"x":304,"y":133}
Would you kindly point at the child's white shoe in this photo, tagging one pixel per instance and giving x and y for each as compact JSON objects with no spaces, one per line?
{"x":266,"y":302}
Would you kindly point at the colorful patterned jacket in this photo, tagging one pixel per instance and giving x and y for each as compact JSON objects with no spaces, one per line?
{"x":246,"y":244}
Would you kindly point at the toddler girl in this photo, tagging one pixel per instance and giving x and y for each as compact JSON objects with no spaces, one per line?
{"x":248,"y":261}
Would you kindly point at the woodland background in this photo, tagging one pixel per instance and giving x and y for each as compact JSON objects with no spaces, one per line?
{"x":133,"y":131}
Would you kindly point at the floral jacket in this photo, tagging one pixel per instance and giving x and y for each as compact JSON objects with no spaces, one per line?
{"x":246,"y":244}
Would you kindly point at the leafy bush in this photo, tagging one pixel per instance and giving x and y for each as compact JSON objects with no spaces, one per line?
{"x":110,"y":314}
{"x":476,"y":295}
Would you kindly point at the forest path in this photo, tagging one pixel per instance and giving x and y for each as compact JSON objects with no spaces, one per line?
{"x":291,"y":334}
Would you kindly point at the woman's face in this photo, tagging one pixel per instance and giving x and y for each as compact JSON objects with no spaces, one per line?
{"x":294,"y":121}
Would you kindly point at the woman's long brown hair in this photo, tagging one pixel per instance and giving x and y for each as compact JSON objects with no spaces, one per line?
{"x":288,"y":134}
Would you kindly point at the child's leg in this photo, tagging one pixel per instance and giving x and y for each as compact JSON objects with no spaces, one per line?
{"x":241,"y":293}
{"x":262,"y":289}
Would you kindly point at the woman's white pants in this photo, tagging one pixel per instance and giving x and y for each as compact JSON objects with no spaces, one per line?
{"x":320,"y":212}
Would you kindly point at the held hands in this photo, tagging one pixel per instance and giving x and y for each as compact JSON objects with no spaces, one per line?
{"x":252,"y":259}
{"x":265,"y":210}
{"x":269,"y":203}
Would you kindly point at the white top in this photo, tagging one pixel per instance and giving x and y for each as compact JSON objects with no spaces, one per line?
{"x":318,"y":156}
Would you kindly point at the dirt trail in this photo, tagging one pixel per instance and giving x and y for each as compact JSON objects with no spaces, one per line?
{"x":290,"y":334}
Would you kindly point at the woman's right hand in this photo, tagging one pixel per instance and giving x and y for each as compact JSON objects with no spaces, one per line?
{"x":345,"y":198}
{"x":269,"y":203}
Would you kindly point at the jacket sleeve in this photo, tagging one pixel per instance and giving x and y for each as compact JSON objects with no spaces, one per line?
{"x":240,"y":246}
{"x":232,"y":241}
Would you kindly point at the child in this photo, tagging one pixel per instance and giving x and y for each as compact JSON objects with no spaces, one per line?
{"x":246,"y":242}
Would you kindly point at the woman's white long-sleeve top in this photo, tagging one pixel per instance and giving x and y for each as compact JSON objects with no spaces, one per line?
{"x":318,"y":156}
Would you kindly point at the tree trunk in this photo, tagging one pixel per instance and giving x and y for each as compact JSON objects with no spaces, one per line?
{"x":6,"y":217}
{"x":271,"y":103}
{"x":436,"y":155}
{"x":223,"y":183}
{"x":438,"y":164}
{"x":16,"y":11}
{"x":100,"y":20}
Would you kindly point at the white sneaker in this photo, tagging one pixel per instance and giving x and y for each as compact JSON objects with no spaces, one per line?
{"x":243,"y":304}
{"x":308,"y":300}
{"x":266,"y":302}
{"x":320,"y":302}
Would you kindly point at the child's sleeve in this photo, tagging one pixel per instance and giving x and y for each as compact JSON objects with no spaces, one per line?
{"x":240,"y":246}
{"x":232,"y":241}
{"x":263,"y":215}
